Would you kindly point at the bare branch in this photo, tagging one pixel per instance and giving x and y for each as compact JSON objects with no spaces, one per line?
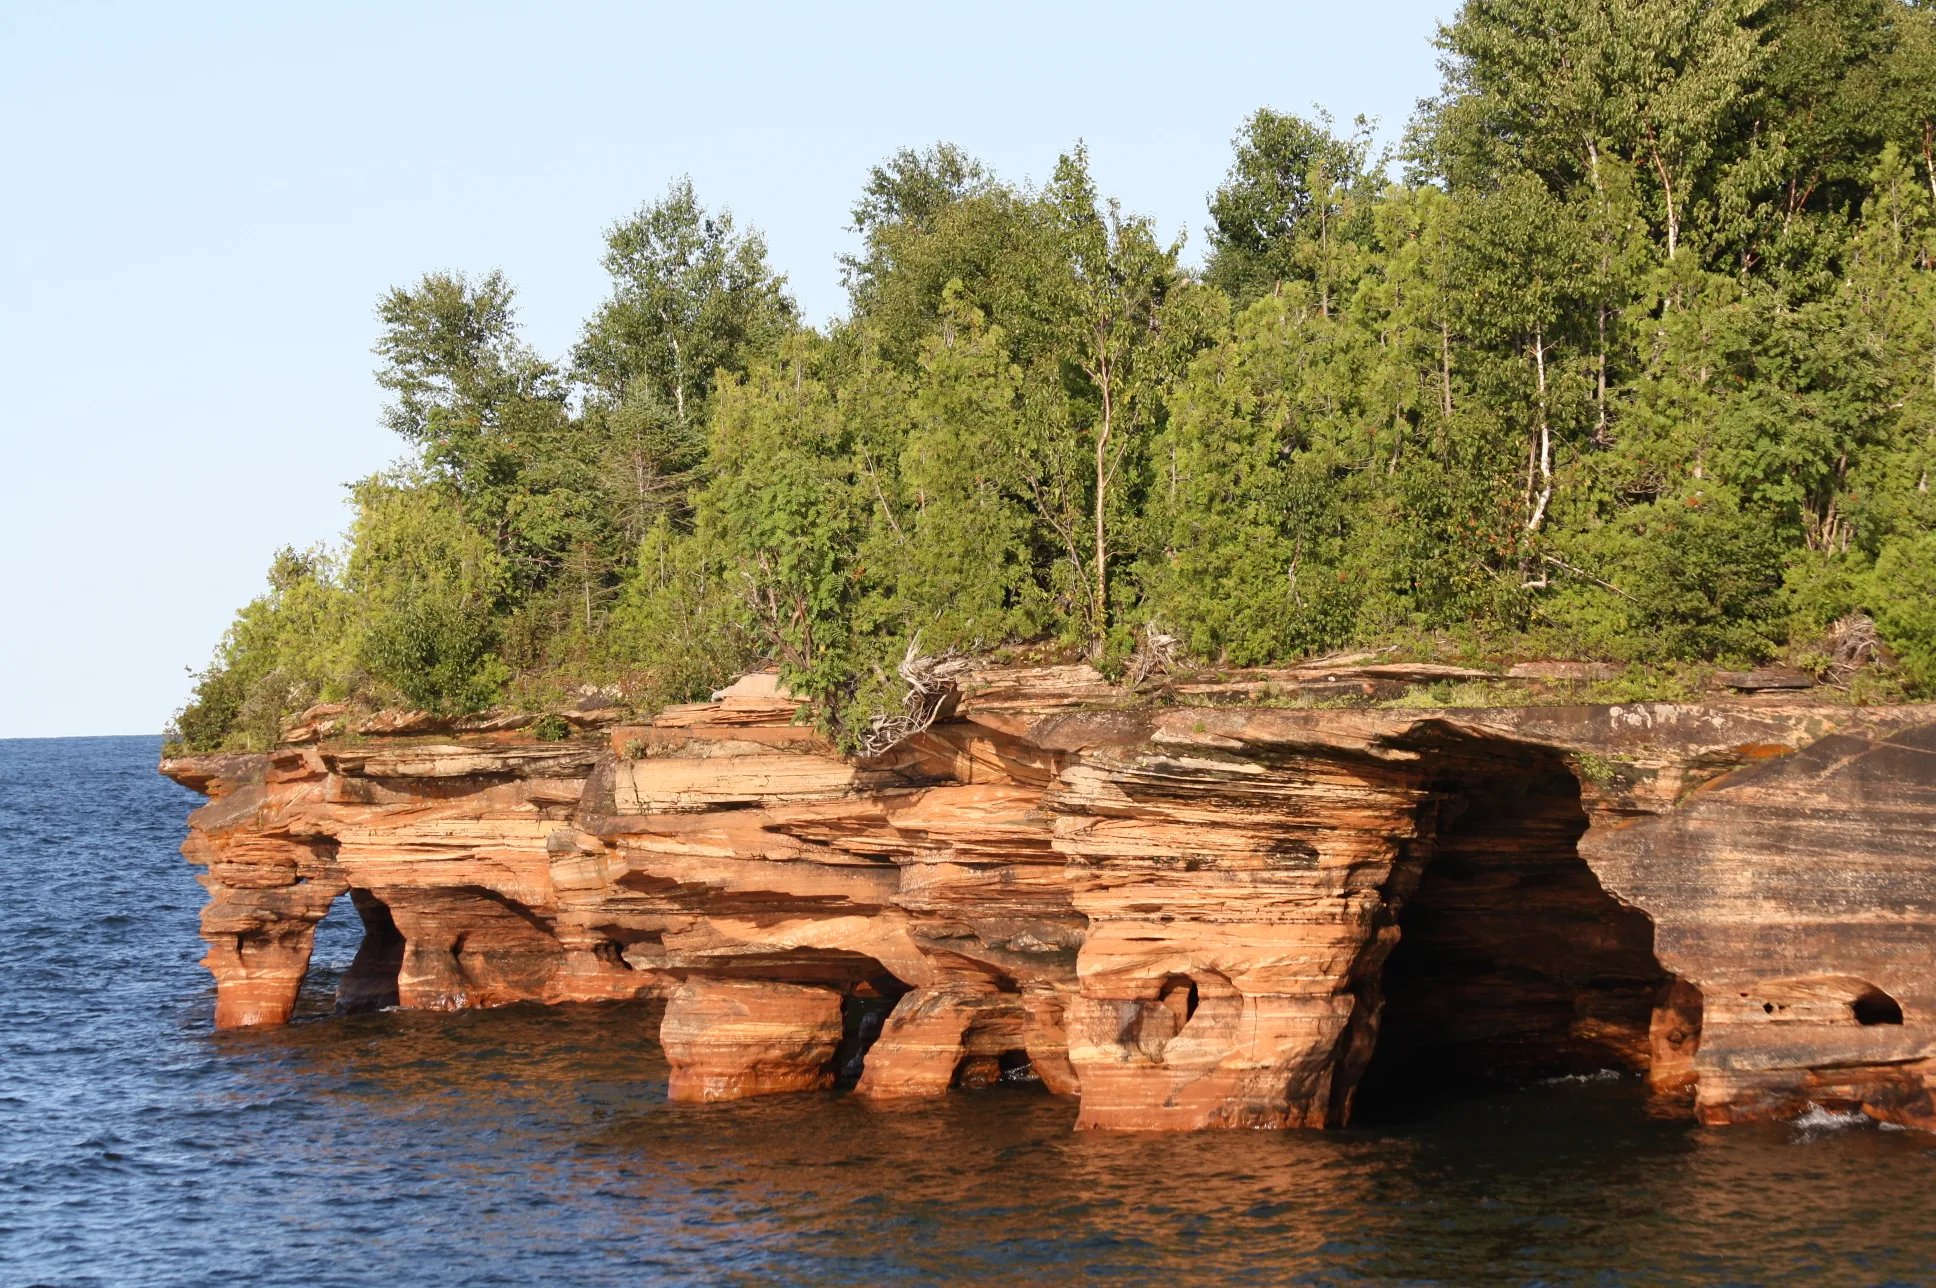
{"x":930,"y":679}
{"x":1155,"y":654}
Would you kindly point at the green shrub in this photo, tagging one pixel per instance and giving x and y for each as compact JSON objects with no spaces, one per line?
{"x":1679,"y":580}
{"x":436,"y":652}
{"x":285,"y":650}
{"x":429,"y":583}
{"x":551,"y":728}
{"x":1902,"y":599}
{"x":677,"y":622}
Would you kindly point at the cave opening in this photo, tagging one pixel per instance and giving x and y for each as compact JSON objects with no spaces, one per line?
{"x":370,"y":983}
{"x":1179,"y":994}
{"x":1002,"y":1069}
{"x":355,"y":956}
{"x":1513,"y":963}
{"x":863,"y":1013}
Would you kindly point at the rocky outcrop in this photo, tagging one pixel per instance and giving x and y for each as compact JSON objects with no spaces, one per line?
{"x":1189,"y":908}
{"x":1799,"y":896}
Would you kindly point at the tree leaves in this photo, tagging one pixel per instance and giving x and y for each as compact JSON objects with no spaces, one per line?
{"x":1639,"y":362}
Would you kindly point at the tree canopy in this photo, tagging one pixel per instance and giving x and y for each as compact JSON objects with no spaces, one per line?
{"x":1628,"y":354}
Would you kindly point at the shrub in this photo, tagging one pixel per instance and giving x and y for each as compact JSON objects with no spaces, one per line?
{"x":1685,"y":579}
{"x":1902,"y":595}
{"x":551,"y":728}
{"x":436,"y":651}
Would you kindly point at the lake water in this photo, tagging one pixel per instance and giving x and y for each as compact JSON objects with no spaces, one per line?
{"x":138,"y":1146}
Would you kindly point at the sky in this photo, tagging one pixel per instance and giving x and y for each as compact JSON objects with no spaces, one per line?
{"x":200,"y":204}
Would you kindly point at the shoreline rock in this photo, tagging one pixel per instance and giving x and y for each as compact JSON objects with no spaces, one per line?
{"x":1197,"y":916}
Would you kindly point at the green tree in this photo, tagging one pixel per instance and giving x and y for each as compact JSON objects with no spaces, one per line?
{"x":427,"y":585}
{"x":466,"y":388}
{"x":1558,"y":90}
{"x":964,"y":543}
{"x":1116,"y":297}
{"x":286,"y":649}
{"x":785,"y":513}
{"x":908,"y":195}
{"x":1296,"y":194}
{"x":691,"y":296}
{"x":1637,"y":361}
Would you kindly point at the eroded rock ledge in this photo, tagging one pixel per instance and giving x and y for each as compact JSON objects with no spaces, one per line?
{"x":1189,"y":916}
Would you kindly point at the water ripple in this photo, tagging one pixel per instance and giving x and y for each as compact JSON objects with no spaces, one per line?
{"x":139,"y":1147}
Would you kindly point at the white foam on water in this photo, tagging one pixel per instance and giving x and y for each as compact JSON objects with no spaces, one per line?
{"x":1598,"y":1075}
{"x":1816,"y":1121}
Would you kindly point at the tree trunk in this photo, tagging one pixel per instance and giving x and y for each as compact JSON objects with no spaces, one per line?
{"x":678,"y":369}
{"x":1929,"y":155}
{"x":1667,"y":191}
{"x":1445,"y":367}
{"x":1600,"y":429}
{"x":1545,"y":448}
{"x":1100,"y":625}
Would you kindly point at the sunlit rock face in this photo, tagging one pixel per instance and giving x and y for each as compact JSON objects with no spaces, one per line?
{"x":1799,"y":895}
{"x":1188,"y":911}
{"x":731,"y":1038}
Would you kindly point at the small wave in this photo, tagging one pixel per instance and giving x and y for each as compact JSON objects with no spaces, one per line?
{"x":1598,"y":1075}
{"x":1817,"y":1120}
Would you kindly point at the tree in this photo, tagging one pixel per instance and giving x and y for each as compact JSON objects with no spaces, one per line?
{"x":1520,"y":283}
{"x":477,"y":403}
{"x":936,"y":221}
{"x":1638,"y":361}
{"x":785,"y":513}
{"x":1117,"y":288}
{"x":428,"y":585}
{"x":1557,"y":89}
{"x":964,"y":543}
{"x":1294,"y":192}
{"x":690,"y":297}
{"x":909,"y":193}
{"x":286,"y":649}
{"x":461,"y":376}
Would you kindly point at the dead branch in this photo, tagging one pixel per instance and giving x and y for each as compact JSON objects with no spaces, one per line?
{"x":1155,"y":653}
{"x":1853,"y":643}
{"x":930,"y":679}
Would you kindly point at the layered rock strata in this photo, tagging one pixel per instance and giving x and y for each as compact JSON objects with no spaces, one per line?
{"x":1188,"y":911}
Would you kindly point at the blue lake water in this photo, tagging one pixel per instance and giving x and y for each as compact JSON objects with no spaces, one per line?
{"x":140,"y":1147}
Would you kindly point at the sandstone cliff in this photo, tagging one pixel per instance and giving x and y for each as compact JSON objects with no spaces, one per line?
{"x":1189,"y":912}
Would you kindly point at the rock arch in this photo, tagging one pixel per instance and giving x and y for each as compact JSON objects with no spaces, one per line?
{"x":370,"y":983}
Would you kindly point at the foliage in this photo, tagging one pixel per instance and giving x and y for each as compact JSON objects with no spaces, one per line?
{"x":690,"y":297}
{"x":1636,"y":362}
{"x":1903,"y":589}
{"x":288,"y":648}
{"x":1297,"y":202}
{"x":550,"y":728}
{"x":427,"y":583}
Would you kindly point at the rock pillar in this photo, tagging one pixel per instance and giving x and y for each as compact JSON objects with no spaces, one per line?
{"x":258,"y":949}
{"x":728,"y":1039}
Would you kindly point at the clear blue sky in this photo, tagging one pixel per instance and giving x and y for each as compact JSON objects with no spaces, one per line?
{"x":199,"y":205}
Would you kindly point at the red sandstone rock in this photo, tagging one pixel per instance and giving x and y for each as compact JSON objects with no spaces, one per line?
{"x":1189,"y":916}
{"x":936,"y":1033}
{"x":727,"y":1039}
{"x":1799,"y":894}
